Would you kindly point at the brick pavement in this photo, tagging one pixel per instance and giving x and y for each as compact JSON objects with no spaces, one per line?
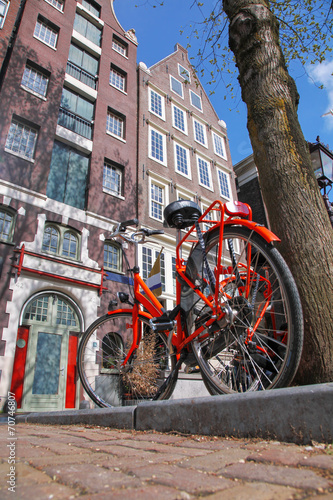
{"x":91,"y":462}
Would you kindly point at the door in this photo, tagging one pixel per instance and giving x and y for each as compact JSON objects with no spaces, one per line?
{"x":53,"y":320}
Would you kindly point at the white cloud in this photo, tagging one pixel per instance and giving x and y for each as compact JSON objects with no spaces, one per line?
{"x":321,"y":74}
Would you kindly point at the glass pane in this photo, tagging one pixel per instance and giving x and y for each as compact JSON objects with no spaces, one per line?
{"x":56,"y":183}
{"x":65,"y":314}
{"x":46,"y":377}
{"x":37,"y":311}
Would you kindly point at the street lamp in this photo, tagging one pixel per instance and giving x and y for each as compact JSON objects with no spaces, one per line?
{"x":322,"y":162}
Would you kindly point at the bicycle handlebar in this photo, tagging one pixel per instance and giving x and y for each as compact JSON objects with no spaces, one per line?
{"x":126,"y":223}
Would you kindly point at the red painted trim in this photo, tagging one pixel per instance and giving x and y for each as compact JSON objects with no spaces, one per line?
{"x":71,"y":371}
{"x":19,"y":365}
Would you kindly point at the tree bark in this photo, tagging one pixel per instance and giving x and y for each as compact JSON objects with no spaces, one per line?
{"x":290,"y":191}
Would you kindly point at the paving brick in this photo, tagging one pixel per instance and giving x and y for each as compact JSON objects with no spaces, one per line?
{"x":296,"y":478}
{"x":160,"y":447}
{"x":24,"y":474}
{"x":144,"y":492}
{"x":90,"y":479}
{"x":45,"y":491}
{"x":257,"y":491}
{"x":93,"y":458}
{"x":294,"y":458}
{"x":215,"y":462}
{"x":190,"y":481}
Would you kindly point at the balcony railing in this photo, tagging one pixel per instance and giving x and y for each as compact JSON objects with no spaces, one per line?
{"x":75,"y":123}
{"x":81,"y":75}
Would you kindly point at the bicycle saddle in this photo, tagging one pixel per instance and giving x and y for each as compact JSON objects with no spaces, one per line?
{"x":181,"y":214}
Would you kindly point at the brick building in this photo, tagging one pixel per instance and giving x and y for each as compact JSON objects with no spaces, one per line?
{"x":87,"y":139}
{"x":68,"y":172}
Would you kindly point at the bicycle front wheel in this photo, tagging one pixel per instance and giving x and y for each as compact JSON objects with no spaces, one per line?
{"x":101,"y":355}
{"x":257,"y":344}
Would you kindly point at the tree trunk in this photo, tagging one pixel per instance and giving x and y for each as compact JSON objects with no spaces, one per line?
{"x":290,"y":191}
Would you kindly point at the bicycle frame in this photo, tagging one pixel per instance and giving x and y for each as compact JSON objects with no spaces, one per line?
{"x":145,"y":302}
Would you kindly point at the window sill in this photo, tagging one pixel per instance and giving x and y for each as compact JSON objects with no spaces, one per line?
{"x":31,"y":160}
{"x":47,"y":44}
{"x":33,"y":93}
{"x":116,"y":137}
{"x":119,"y":196}
{"x":119,"y":90}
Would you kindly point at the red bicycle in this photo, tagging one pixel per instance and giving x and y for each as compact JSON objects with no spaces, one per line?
{"x":238,"y":317}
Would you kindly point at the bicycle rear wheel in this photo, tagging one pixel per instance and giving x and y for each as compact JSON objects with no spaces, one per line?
{"x":257,"y":345}
{"x":103,"y":349}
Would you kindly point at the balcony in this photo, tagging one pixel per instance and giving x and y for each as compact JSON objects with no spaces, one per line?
{"x":75,"y":123}
{"x":81,"y":75}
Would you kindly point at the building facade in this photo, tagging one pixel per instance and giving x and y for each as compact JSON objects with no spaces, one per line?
{"x":68,"y":173}
{"x":88,"y":139}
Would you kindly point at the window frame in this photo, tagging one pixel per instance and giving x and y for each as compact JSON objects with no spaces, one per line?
{"x":120,"y":170}
{"x":3,"y":18}
{"x":162,"y":115}
{"x":163,"y":185}
{"x":51,"y":27}
{"x":200,"y":99}
{"x":120,"y":75}
{"x":117,"y":42}
{"x":174,"y":107}
{"x":52,"y":3}
{"x":120,"y":119}
{"x":204,"y":132}
{"x":61,"y":233}
{"x":12,"y":214}
{"x":187,"y":154}
{"x":209,"y":173}
{"x":172,"y":89}
{"x":118,"y":247}
{"x":180,"y":73}
{"x":224,"y":154}
{"x":150,"y":148}
{"x":39,"y":71}
{"x":25,"y":125}
{"x":220,"y":171}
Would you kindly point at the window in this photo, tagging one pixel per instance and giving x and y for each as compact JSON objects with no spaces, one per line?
{"x":35,"y":80}
{"x":67,"y":181}
{"x":93,"y":7}
{"x":176,"y":86}
{"x":112,"y":179}
{"x":156,"y":201}
{"x":58,"y":4}
{"x":179,"y":119}
{"x":182,"y":160}
{"x":147,"y":262}
{"x":87,"y":29}
{"x":115,"y":124}
{"x":76,"y":113}
{"x":204,"y":173}
{"x":58,"y":240}
{"x":219,"y":147}
{"x":196,"y":100}
{"x":156,"y":104}
{"x":112,"y":345}
{"x":46,"y":32}
{"x":184,"y":73}
{"x":119,"y":46}
{"x":4,"y":5}
{"x":200,"y":133}
{"x":21,"y":139}
{"x":157,"y":146}
{"x":174,"y":288}
{"x":112,"y":256}
{"x":7,"y":220}
{"x":117,"y":78}
{"x":223,"y":184}
{"x":82,"y":66}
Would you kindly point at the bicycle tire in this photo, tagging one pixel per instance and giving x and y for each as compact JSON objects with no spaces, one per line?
{"x":104,"y":347}
{"x":228,"y":361}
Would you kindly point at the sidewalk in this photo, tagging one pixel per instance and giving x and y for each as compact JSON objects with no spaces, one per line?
{"x":92,"y":462}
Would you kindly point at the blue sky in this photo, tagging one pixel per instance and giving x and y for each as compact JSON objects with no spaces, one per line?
{"x":158,"y":30}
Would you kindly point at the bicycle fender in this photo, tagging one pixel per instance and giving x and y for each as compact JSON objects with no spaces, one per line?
{"x":265,"y":233}
{"x":127,"y":310}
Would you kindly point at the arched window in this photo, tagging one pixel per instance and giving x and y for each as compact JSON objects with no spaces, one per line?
{"x":58,"y":240}
{"x":113,"y":257}
{"x":113,"y":348}
{"x":7,"y":219}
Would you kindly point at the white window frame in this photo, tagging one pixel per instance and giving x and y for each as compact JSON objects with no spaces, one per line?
{"x":187,"y":154}
{"x":120,"y":173}
{"x":55,"y":3}
{"x":162,"y":115}
{"x":215,"y":135}
{"x":165,"y":196}
{"x":204,"y":205}
{"x":181,"y":70}
{"x":209,"y":172}
{"x":199,"y":97}
{"x":46,"y":27}
{"x":120,"y":121}
{"x":150,"y":149}
{"x":118,"y":248}
{"x":37,"y":72}
{"x":203,"y":130}
{"x":61,"y":233}
{"x":219,"y":172}
{"x":120,"y":47}
{"x":184,"y":194}
{"x":29,"y":129}
{"x":174,"y":106}
{"x":172,"y":90}
{"x":3,"y":18}
{"x":118,"y":77}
